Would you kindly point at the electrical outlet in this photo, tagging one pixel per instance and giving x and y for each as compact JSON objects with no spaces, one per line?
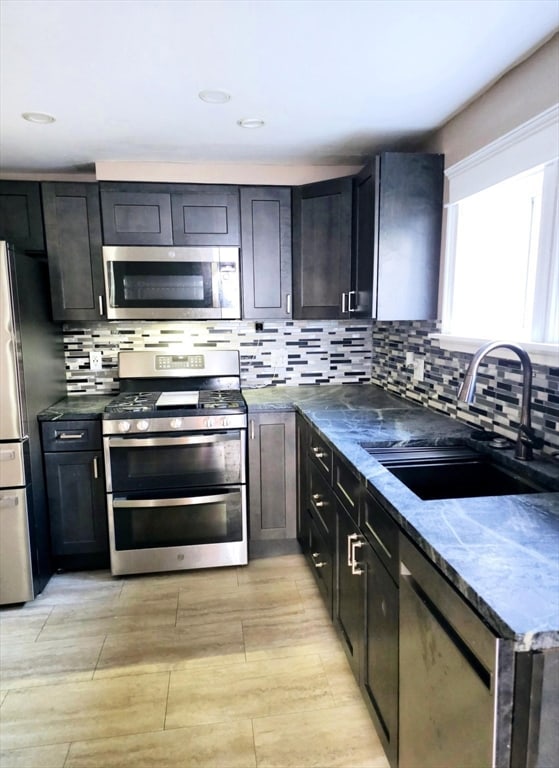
{"x":95,"y":360}
{"x":418,"y":369}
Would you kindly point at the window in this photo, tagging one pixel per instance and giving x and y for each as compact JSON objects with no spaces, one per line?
{"x":502,"y":257}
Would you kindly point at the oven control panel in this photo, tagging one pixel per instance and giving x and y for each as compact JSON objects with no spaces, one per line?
{"x":175,"y":424}
{"x":179,"y":362}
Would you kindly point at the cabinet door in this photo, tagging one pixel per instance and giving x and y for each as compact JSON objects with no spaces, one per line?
{"x":73,"y":236}
{"x":206,"y":215}
{"x":322,"y":249}
{"x":266,"y":252}
{"x":76,"y":496}
{"x":320,"y":558}
{"x":350,"y":590}
{"x":272,"y":472}
{"x":361,"y":294}
{"x":21,"y":219}
{"x":380,"y":652}
{"x":408,"y":235}
{"x":136,"y":217}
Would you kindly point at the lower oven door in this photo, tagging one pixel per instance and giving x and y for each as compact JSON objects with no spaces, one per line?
{"x":192,"y":460}
{"x":165,"y":532}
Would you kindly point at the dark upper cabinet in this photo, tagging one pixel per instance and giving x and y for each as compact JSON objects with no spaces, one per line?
{"x":322,"y":224}
{"x":21,"y":218}
{"x":73,"y":238}
{"x":266,"y":252}
{"x":136,"y":218}
{"x":206,"y":215}
{"x":170,"y":214}
{"x":398,"y":201}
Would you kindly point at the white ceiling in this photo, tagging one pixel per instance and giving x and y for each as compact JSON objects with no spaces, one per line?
{"x":332,"y":79}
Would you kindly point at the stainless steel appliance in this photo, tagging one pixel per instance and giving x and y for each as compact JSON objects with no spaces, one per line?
{"x":31,"y":378}
{"x":157,"y":283}
{"x":174,"y":444}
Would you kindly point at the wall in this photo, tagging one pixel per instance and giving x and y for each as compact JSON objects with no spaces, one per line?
{"x":520,"y":94}
{"x":321,"y":352}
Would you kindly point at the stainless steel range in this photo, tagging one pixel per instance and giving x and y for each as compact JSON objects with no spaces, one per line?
{"x":175,"y":459}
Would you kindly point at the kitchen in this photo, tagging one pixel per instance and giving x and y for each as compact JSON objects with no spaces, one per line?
{"x":325,"y":350}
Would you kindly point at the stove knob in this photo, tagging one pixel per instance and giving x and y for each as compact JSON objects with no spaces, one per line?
{"x":176,"y":423}
{"x":123,"y":426}
{"x":142,"y":425}
{"x":225,"y":422}
{"x":209,"y":423}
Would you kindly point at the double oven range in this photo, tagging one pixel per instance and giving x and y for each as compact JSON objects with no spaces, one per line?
{"x":174,"y":445}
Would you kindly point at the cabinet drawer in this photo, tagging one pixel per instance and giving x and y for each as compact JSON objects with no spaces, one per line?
{"x":71,"y":435}
{"x":346,"y":486}
{"x":381,"y":532}
{"x":321,"y":503}
{"x":321,"y":454}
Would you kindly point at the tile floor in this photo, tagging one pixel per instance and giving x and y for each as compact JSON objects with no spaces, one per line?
{"x":225,"y":668}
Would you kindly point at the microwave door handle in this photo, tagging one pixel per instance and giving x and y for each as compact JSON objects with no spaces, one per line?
{"x":155,"y":442}
{"x":174,"y":502}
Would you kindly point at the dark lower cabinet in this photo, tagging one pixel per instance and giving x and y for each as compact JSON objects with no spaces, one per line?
{"x":73,"y":237}
{"x":76,"y":494}
{"x":379,"y":676}
{"x":21,"y":218}
{"x":272,"y":489}
{"x":320,"y":557}
{"x":350,"y":589}
{"x":266,"y":252}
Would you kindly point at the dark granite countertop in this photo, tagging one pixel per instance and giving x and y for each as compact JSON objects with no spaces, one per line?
{"x":501,"y":553}
{"x":76,"y":408}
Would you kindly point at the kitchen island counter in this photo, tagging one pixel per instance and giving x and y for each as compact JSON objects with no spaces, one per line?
{"x":501,"y":553}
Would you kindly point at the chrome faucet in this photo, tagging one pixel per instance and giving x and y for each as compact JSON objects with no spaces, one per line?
{"x":526,"y":439}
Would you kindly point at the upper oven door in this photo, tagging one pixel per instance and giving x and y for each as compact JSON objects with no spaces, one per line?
{"x":160,"y":462}
{"x":155,"y":283}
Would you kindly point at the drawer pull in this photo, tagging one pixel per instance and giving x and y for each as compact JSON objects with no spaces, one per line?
{"x":95,"y":469}
{"x":70,"y":436}
{"x":320,"y":565}
{"x":318,"y":453}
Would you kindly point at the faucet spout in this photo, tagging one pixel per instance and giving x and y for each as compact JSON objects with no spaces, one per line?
{"x":526,"y":439}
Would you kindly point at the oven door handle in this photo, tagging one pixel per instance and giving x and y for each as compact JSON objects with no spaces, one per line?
{"x":150,"y":442}
{"x":184,"y":502}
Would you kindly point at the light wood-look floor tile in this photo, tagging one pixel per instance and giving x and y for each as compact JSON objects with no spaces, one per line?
{"x":222,"y":745}
{"x":216,"y":668}
{"x":339,"y":737}
{"x":157,"y":650}
{"x":30,"y":664}
{"x":247,"y":690}
{"x":77,"y":711}
{"x":49,"y":756}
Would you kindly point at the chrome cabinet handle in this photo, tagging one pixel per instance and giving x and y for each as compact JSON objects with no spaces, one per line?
{"x":288,"y":304}
{"x":95,"y":469}
{"x":252,"y":429}
{"x":350,"y":539}
{"x":351,"y":308}
{"x":183,"y":502}
{"x":318,"y":453}
{"x":101,"y":309}
{"x":356,"y":570}
{"x":344,"y":302}
{"x":70,"y":436}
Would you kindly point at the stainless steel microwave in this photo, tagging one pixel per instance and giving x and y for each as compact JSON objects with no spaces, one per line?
{"x":168,"y":283}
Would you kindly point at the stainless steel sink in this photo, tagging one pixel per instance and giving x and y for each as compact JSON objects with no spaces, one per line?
{"x":450,"y":472}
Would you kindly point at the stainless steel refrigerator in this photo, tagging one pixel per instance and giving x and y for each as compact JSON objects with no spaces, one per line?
{"x":31,"y":378}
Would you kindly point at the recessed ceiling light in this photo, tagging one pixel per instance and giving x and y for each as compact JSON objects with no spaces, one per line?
{"x":250,"y":122}
{"x":214,"y":97}
{"x":38,"y":117}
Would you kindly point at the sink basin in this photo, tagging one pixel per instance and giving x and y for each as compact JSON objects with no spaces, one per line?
{"x":450,"y":472}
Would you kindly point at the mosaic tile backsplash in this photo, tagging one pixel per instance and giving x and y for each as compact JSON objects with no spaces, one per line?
{"x":498,"y":392}
{"x":331,"y":352}
{"x":290,"y":352}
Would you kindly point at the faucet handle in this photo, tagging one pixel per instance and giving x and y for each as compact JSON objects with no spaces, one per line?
{"x":528,"y":437}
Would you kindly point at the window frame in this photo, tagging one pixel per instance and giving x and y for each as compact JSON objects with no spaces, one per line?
{"x":534,"y":143}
